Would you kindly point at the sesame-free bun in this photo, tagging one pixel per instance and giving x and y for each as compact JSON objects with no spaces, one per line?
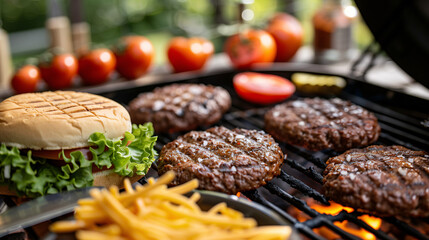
{"x":59,"y":120}
{"x":105,"y":178}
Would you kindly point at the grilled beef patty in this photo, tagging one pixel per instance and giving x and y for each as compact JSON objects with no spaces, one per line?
{"x":387,"y":180}
{"x":180,"y":107}
{"x":318,"y":124}
{"x":223,"y":160}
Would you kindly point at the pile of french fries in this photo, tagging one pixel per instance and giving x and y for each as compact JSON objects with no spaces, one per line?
{"x":154,"y":211}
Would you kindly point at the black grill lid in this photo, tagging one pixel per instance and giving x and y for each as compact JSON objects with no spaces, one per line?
{"x":401,"y":29}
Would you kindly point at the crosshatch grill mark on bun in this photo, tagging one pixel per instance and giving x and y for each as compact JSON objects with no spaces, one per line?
{"x":59,"y":120}
{"x":63,"y":136}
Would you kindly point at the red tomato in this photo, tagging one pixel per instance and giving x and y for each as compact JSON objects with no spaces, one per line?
{"x":189,"y":54}
{"x":262,"y":88}
{"x":56,"y":154}
{"x":249,"y":47}
{"x":134,"y":55}
{"x":59,"y":72}
{"x":288,"y":34}
{"x":96,"y":66}
{"x":26,"y":79}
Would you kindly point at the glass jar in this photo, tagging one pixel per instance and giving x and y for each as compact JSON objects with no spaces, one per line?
{"x":333,"y":31}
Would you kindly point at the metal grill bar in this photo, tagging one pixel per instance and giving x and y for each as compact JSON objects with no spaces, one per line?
{"x":387,"y":138}
{"x":302,"y":228}
{"x":310,"y":172}
{"x":395,"y":122}
{"x":404,"y":227}
{"x":379,"y":109}
{"x":296,"y":202}
{"x":327,"y":221}
{"x":403,"y":134}
{"x":315,"y":222}
{"x":352,"y":217}
{"x":302,"y":187}
{"x":319,"y":162}
{"x":317,"y":217}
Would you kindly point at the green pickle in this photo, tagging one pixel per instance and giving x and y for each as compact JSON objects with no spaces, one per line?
{"x":312,"y":84}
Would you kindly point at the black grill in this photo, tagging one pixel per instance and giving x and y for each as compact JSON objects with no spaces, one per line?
{"x":401,"y":117}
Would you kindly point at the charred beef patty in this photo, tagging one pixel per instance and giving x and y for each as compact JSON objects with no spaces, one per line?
{"x":180,"y":107}
{"x":223,"y":160}
{"x":318,"y":124}
{"x":387,"y":180}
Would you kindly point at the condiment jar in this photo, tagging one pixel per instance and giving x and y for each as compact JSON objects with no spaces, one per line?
{"x":333,"y":31}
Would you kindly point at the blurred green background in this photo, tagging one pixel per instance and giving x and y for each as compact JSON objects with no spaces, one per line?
{"x":158,"y":20}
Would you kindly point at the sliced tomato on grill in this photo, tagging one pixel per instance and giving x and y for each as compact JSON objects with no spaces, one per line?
{"x":262,"y":88}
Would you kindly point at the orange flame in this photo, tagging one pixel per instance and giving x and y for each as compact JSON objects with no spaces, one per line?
{"x":240,"y":195}
{"x":351,"y":228}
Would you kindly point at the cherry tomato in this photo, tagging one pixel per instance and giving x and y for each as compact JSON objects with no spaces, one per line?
{"x":134,"y":55}
{"x":96,"y":66}
{"x":249,"y":47}
{"x":288,"y":34}
{"x":189,"y":54}
{"x":262,"y":88}
{"x":59,"y":71}
{"x":26,"y":79}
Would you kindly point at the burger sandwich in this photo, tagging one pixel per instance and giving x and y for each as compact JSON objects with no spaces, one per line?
{"x":64,"y":140}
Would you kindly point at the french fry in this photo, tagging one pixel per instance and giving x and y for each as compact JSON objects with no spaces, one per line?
{"x":69,"y":226}
{"x":156,"y":212}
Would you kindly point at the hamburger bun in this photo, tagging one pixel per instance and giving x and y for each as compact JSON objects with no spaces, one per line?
{"x":59,"y":120}
{"x":62,"y":120}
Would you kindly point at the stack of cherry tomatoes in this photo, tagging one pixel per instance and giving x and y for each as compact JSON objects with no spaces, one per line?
{"x":132,"y":56}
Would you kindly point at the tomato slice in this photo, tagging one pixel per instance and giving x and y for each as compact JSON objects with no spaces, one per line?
{"x":262,"y":88}
{"x":56,"y":154}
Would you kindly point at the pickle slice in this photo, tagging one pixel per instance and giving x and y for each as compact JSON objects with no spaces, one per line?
{"x":312,"y":84}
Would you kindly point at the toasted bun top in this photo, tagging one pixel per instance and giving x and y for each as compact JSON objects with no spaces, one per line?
{"x":59,"y":120}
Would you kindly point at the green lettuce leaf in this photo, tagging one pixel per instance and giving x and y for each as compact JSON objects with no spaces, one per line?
{"x":133,"y":154}
{"x":34,"y":177}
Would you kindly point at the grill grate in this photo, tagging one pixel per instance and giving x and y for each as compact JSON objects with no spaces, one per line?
{"x":401,"y":118}
{"x":302,"y":170}
{"x":298,"y":159}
